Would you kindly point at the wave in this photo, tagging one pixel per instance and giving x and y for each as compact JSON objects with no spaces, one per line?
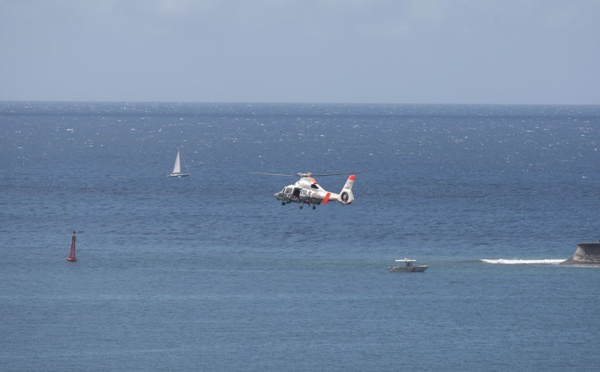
{"x":515,"y":261}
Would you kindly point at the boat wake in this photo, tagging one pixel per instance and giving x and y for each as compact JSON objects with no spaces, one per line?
{"x":513,"y":261}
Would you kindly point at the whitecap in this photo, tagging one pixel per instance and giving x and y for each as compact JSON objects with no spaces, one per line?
{"x":518,"y":261}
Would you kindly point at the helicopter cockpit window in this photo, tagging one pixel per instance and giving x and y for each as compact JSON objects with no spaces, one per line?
{"x":314,"y":186}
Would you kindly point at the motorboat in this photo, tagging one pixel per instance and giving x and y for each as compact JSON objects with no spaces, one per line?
{"x":407,"y":267}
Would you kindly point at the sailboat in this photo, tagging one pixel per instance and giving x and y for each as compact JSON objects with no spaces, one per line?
{"x":177,"y":167}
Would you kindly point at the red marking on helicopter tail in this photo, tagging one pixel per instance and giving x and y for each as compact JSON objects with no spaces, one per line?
{"x":326,"y":198}
{"x":352,"y":177}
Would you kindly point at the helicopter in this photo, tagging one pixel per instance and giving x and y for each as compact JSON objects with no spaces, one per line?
{"x":307,"y":191}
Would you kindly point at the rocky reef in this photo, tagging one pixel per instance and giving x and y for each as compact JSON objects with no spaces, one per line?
{"x":586,"y":254}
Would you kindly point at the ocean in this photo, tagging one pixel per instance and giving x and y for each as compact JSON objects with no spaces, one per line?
{"x":211,"y":273}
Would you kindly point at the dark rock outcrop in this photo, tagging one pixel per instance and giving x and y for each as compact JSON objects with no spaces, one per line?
{"x":586,"y":254}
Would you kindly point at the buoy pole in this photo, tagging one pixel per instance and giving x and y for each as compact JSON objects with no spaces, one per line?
{"x":72,"y":254}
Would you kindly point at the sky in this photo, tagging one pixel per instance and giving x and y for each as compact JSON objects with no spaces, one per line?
{"x":305,"y":51}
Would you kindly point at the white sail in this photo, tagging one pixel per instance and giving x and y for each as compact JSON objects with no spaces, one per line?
{"x":177,"y":167}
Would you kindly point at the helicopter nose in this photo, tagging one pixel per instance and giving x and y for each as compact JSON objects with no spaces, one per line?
{"x":276,"y":195}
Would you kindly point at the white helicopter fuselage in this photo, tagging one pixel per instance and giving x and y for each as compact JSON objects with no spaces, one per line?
{"x":308,"y":191}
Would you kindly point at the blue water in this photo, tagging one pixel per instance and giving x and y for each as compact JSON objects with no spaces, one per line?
{"x":211,"y":273}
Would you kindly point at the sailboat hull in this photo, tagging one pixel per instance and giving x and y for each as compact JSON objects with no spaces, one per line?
{"x":179,"y":174}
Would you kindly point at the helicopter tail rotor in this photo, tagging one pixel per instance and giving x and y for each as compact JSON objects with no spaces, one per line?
{"x":346,"y":195}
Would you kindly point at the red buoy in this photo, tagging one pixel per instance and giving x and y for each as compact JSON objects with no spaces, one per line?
{"x":72,"y":255}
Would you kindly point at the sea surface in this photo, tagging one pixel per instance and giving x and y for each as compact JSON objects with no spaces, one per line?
{"x":211,"y":273}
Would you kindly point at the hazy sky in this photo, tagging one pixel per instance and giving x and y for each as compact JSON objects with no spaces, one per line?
{"x":354,"y":51}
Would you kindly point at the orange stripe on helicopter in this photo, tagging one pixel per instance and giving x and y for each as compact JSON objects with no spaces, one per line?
{"x":326,"y":198}
{"x":352,"y":177}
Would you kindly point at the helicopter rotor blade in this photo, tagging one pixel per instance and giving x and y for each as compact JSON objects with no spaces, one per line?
{"x":275,"y":174}
{"x":307,"y":174}
{"x":332,"y":174}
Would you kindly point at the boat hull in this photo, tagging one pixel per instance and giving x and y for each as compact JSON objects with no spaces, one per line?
{"x":408,"y":269}
{"x":179,"y":174}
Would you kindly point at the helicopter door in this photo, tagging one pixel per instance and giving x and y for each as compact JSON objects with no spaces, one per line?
{"x":296,"y":193}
